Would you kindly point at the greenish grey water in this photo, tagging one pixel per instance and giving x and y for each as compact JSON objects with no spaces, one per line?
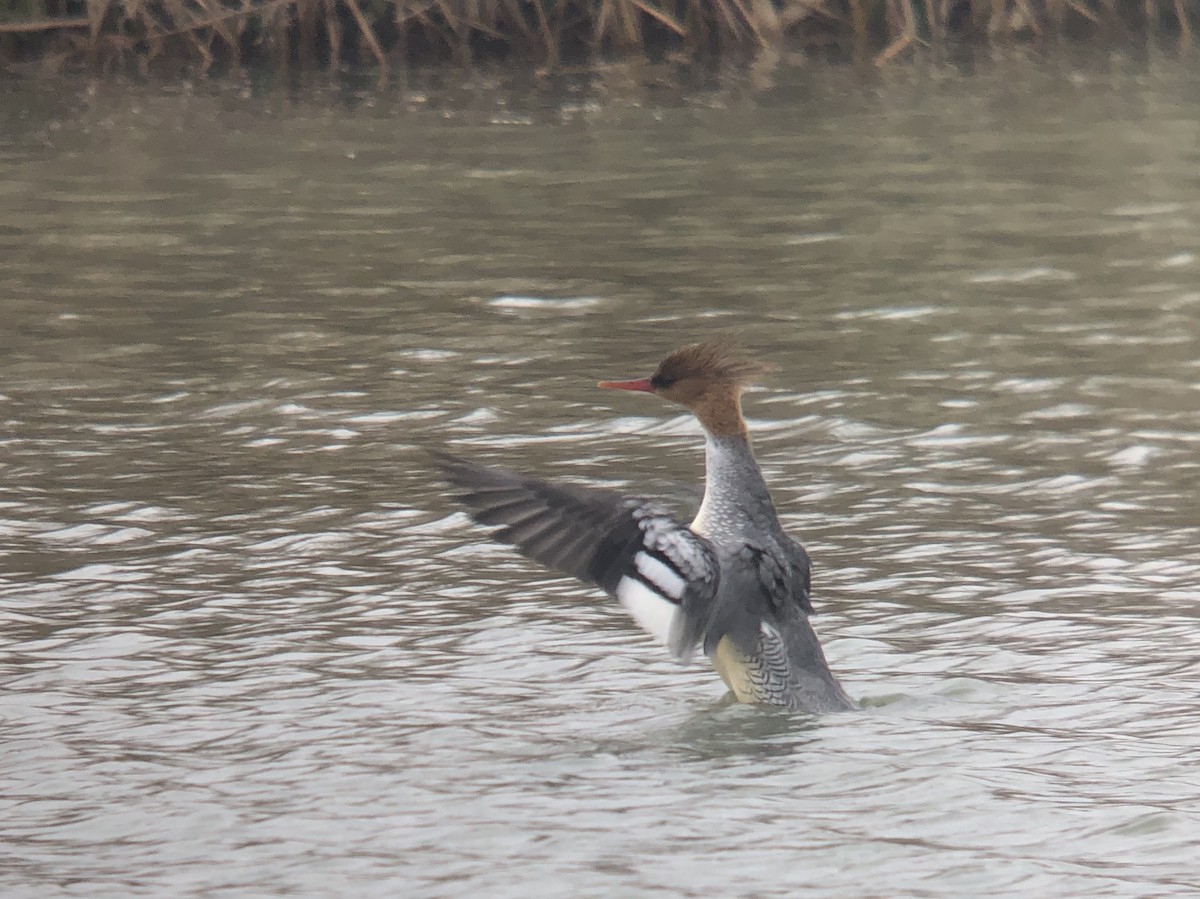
{"x":248,"y":647}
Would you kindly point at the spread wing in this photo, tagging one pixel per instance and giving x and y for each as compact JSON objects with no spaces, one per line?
{"x":665,"y":575}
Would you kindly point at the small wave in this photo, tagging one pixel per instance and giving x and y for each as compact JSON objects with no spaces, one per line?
{"x":888,"y":313}
{"x":1137,"y":210}
{"x":557,"y":304}
{"x":800,"y":240}
{"x":1022,"y":275}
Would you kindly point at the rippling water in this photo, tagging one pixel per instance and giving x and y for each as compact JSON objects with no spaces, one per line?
{"x":249,"y":647}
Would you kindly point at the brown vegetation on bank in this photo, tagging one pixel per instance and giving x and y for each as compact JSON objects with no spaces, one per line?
{"x":200,"y":35}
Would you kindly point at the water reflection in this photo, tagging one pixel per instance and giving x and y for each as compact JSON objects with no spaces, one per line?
{"x":249,"y":646}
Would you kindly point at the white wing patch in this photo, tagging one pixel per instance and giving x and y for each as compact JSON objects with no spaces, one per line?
{"x":666,"y":579}
{"x":654,"y":612}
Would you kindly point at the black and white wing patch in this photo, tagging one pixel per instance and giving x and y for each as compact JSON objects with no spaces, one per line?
{"x":664,"y":574}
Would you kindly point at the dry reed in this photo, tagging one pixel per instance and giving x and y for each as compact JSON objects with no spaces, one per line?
{"x":200,"y":35}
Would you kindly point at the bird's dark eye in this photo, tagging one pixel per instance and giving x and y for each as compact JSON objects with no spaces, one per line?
{"x":661,"y":382}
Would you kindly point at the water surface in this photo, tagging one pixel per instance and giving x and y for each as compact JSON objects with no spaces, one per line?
{"x":249,"y":646}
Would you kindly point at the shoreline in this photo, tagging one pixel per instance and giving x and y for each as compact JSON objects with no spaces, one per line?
{"x":169,"y":38}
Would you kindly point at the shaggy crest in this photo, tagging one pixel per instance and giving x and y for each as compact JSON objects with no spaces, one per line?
{"x":711,"y":361}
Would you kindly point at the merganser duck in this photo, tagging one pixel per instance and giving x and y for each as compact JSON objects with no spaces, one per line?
{"x":733,"y":581}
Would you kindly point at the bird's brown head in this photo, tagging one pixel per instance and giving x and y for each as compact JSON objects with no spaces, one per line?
{"x":707,"y":378}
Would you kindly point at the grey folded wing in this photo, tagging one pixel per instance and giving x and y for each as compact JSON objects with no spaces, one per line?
{"x":665,"y":575}
{"x":762,"y":641}
{"x":784,"y":571}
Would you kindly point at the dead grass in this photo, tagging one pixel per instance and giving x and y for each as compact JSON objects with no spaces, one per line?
{"x":203,"y":35}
